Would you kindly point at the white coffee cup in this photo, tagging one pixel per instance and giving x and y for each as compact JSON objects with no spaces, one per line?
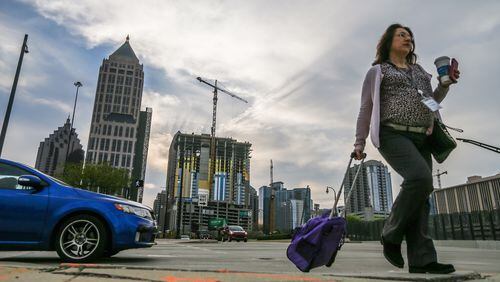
{"x":443,"y":67}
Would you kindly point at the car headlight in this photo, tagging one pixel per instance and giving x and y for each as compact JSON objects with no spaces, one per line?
{"x":133,"y":210}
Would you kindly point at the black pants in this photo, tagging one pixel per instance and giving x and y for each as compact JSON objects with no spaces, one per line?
{"x":409,"y":155}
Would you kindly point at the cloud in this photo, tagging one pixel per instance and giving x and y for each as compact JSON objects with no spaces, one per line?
{"x":301,"y":66}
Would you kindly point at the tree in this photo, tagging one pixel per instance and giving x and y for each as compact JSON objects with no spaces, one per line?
{"x":101,"y":178}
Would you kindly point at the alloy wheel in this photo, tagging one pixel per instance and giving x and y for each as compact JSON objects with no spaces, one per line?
{"x":79,"y":239}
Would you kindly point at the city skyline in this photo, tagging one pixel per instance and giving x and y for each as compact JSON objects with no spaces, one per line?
{"x":300,"y":65}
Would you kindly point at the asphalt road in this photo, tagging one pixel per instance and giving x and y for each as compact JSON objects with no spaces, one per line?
{"x":354,"y":260}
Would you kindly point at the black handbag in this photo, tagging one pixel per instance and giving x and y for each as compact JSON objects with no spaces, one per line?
{"x":441,"y":141}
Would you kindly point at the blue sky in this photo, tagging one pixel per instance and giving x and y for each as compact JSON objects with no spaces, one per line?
{"x":299,"y":63}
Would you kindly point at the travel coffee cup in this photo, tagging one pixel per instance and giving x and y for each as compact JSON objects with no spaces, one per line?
{"x":443,"y":68}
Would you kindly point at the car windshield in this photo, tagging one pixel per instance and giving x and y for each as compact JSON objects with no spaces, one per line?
{"x":236,"y":228}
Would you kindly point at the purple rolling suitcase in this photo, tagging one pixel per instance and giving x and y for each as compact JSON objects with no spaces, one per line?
{"x":317,"y":242}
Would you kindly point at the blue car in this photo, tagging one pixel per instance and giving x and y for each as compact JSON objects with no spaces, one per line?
{"x":39,"y":212}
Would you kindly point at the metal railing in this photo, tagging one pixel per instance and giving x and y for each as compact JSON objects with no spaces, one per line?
{"x":479,"y":225}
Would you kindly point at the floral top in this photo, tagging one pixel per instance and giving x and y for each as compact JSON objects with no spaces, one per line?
{"x":400,"y":101}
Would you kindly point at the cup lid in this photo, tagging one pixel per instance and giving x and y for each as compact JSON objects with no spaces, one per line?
{"x":442,"y":58}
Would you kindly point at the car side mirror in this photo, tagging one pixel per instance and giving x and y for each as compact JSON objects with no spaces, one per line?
{"x":30,"y":181}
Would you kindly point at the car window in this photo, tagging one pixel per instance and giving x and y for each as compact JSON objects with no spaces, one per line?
{"x":235,"y":228}
{"x":9,"y":175}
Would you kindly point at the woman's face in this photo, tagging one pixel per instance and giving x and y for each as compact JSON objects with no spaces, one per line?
{"x":402,"y":41}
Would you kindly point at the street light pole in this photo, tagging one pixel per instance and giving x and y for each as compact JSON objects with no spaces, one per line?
{"x":78,"y":84}
{"x":24,"y":49}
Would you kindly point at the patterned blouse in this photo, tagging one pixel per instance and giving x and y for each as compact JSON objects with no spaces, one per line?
{"x":400,"y":101}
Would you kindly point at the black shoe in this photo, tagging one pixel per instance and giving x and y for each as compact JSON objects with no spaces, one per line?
{"x":434,"y":268}
{"x":392,"y":253}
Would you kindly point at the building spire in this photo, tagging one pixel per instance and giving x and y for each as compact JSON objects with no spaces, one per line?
{"x":128,"y":37}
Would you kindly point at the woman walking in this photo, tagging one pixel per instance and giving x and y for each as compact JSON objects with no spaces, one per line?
{"x":400,"y":124}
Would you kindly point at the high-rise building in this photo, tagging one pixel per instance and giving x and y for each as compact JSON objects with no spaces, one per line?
{"x":119,"y":131}
{"x":254,"y":206}
{"x":51,"y":157}
{"x":373,"y":191}
{"x":282,"y":209}
{"x":188,"y":169}
{"x":477,"y":194}
{"x":159,"y":209}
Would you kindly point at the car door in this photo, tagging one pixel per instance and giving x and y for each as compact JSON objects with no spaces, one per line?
{"x":22,"y":209}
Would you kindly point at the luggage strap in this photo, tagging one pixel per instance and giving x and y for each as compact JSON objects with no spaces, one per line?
{"x":334,"y":210}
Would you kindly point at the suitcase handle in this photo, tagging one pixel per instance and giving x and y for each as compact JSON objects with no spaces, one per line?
{"x":334,"y":209}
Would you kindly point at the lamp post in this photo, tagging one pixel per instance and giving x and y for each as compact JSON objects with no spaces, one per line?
{"x":24,"y":49}
{"x":78,"y":84}
{"x":334,"y":193}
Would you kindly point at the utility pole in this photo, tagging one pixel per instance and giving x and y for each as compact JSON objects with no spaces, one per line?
{"x":438,"y":175}
{"x":78,"y":84}
{"x":24,"y":49}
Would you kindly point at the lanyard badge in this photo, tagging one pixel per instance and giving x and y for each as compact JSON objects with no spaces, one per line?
{"x":429,"y":102}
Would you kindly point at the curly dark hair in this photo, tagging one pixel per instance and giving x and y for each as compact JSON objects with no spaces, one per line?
{"x":385,"y":43}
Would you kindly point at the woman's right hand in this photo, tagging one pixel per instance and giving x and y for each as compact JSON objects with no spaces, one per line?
{"x":358,"y":154}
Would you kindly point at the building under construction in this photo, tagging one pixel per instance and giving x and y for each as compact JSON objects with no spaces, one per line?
{"x":189,"y":166}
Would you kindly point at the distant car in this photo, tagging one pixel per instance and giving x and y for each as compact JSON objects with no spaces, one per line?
{"x":185,"y":237}
{"x":234,"y":232}
{"x":39,"y":212}
{"x":204,"y":235}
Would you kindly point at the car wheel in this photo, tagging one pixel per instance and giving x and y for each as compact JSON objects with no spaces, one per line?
{"x":81,"y":238}
{"x":244,"y":240}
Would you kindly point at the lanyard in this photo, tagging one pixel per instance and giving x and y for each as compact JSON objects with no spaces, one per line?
{"x":410,"y":77}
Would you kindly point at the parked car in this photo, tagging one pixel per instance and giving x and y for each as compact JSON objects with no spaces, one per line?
{"x":39,"y":212}
{"x":185,"y":237}
{"x":234,"y":232}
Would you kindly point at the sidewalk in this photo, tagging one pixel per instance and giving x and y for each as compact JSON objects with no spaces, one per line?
{"x":89,"y":272}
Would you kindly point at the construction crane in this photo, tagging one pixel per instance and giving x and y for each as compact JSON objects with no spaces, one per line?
{"x":482,"y":145}
{"x":271,"y":171}
{"x":212,"y":131}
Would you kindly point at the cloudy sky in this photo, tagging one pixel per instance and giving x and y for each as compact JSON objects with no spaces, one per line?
{"x":300,"y":64}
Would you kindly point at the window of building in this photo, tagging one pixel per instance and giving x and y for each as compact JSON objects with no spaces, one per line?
{"x":117,"y":160}
{"x":100,"y":158}
{"x":128,"y":160}
{"x":112,"y":158}
{"x":107,"y":145}
{"x":127,"y":131}
{"x":121,"y":131}
{"x":109,"y":130}
{"x":116,"y":131}
{"x":125,"y":145}
{"x":113,"y":70}
{"x":132,"y":132}
{"x":121,"y":71}
{"x":113,"y":145}
{"x":123,"y":160}
{"x":119,"y":145}
{"x":110,"y":88}
{"x":130,"y":146}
